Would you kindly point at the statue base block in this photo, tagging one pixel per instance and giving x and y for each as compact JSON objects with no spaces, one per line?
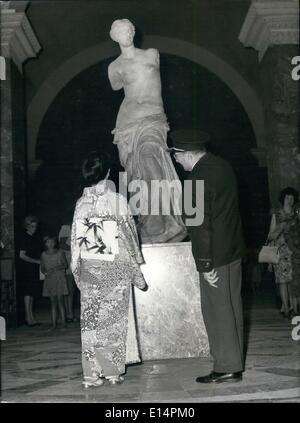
{"x":169,"y":317}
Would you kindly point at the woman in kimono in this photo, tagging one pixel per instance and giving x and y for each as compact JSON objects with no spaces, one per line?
{"x":105,"y":263}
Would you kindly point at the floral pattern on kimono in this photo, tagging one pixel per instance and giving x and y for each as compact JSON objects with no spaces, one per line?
{"x":105,"y":283}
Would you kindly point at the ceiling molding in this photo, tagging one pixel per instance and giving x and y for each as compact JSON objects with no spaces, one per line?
{"x":269,"y":23}
{"x":18,"y":40}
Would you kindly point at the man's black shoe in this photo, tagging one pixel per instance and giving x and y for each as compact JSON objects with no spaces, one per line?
{"x":215,"y":377}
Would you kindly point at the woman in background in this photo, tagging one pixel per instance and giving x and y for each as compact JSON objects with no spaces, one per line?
{"x":53,"y":265}
{"x":105,"y":262}
{"x":65,"y":244}
{"x":293,"y":240}
{"x":29,"y":254}
{"x":282,"y":220}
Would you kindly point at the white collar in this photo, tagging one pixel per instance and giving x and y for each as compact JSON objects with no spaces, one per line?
{"x":99,"y":189}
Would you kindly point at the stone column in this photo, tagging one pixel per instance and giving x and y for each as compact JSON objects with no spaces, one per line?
{"x":272,"y":28}
{"x":18,"y":43}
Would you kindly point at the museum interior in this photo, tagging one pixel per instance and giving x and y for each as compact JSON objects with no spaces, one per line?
{"x":226,"y":68}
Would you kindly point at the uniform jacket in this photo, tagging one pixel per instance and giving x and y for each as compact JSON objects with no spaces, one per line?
{"x":218,"y":240}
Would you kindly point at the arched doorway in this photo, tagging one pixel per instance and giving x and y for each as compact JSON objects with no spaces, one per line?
{"x":83,"y":113}
{"x":83,"y":60}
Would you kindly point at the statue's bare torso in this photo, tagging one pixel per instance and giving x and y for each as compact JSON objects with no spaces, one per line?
{"x":141,"y":131}
{"x":139,"y":76}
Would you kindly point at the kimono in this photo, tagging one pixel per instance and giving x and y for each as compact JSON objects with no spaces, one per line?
{"x":105,"y":259}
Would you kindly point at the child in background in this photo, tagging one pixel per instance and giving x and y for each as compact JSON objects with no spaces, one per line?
{"x":64,"y":238}
{"x":54,"y":265}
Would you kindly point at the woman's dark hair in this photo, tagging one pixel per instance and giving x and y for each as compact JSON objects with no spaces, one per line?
{"x":288,"y":191}
{"x":52,"y":237}
{"x":95,"y":167}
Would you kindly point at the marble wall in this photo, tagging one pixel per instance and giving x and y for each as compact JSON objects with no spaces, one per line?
{"x":281,"y":101}
{"x":6,"y":158}
{"x":12,"y":188}
{"x":7,"y":287}
{"x":169,"y":317}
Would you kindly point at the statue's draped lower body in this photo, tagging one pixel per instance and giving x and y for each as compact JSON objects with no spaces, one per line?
{"x":142,"y":151}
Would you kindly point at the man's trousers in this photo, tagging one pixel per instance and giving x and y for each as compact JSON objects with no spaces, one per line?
{"x":223,"y":318}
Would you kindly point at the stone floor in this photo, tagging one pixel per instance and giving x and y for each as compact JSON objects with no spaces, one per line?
{"x":43,"y":367}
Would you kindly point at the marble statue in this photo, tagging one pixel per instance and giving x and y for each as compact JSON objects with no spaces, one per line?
{"x":141,"y":130}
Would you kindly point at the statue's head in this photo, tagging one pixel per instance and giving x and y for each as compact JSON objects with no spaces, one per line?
{"x":122,"y":31}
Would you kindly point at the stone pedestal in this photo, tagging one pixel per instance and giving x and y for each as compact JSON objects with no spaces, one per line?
{"x":169,"y":317}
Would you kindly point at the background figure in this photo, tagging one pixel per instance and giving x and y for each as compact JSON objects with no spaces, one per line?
{"x":29,"y":254}
{"x":64,"y":238}
{"x":217,"y":247}
{"x":293,"y":241}
{"x":253,"y":271}
{"x":105,"y":262}
{"x":54,"y":265}
{"x":141,"y":132}
{"x":281,"y":221}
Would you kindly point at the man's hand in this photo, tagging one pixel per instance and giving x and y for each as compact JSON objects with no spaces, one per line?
{"x":211,"y":277}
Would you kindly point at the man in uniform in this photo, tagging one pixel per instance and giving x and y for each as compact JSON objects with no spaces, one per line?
{"x":217,"y":246}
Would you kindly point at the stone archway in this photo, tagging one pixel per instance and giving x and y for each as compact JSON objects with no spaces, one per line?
{"x":66,"y":72}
